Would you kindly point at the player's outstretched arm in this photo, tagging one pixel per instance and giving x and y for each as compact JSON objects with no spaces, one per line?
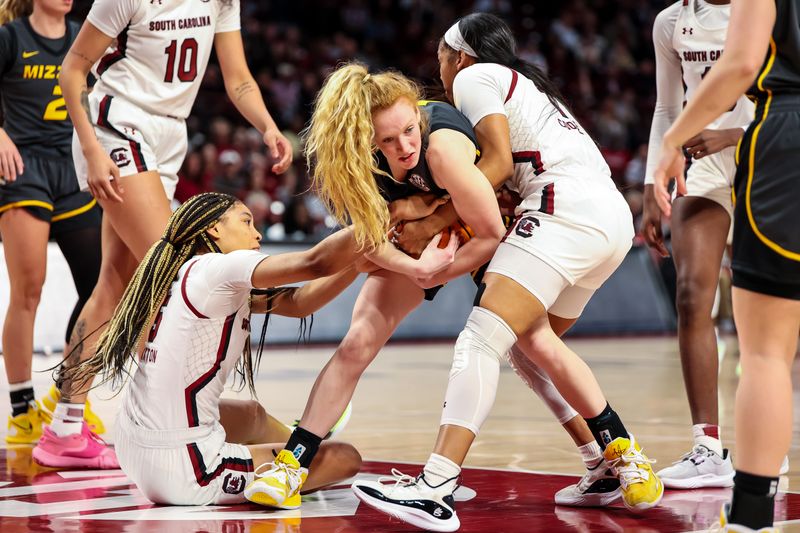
{"x":331,"y":255}
{"x":245,"y":95}
{"x":299,"y":302}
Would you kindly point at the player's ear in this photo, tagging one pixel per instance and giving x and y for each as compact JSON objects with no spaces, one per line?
{"x":215,"y":231}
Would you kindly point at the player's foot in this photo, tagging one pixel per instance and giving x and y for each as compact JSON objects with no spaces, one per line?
{"x":337,"y":427}
{"x":641,"y":489}
{"x":700,"y":468}
{"x":279,"y":485}
{"x":82,"y":450}
{"x":725,"y":527}
{"x":26,"y":428}
{"x":411,"y":500}
{"x":52,"y":398}
{"x":598,"y":487}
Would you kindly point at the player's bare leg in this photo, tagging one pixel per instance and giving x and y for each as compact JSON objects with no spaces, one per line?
{"x":767,"y":328}
{"x":25,"y":246}
{"x":699,"y":233}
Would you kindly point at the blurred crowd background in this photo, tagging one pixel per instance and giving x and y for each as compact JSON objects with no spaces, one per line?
{"x":600,"y":54}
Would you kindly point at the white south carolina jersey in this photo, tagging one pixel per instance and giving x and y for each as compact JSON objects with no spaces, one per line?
{"x":194,"y":344}
{"x":688,"y":37}
{"x":161,"y":51}
{"x":548,"y":144}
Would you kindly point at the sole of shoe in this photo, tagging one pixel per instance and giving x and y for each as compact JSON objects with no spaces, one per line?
{"x":707,"y":481}
{"x":262,"y":494}
{"x":45,"y":458}
{"x":645,"y":506}
{"x":414,"y":517}
{"x":21,"y":440}
{"x":589,"y":500}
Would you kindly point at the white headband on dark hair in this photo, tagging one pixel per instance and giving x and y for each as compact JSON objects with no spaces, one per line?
{"x":456,"y":41}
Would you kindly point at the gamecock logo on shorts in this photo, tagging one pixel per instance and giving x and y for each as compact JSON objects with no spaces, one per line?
{"x":120,"y":157}
{"x":526,"y":225}
{"x":233,"y":484}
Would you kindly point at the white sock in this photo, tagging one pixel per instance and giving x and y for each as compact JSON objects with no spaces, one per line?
{"x":67,"y":419}
{"x":702,"y":437}
{"x":591,"y":454}
{"x":441,"y":473}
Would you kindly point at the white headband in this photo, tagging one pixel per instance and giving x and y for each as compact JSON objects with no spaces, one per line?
{"x":456,"y":41}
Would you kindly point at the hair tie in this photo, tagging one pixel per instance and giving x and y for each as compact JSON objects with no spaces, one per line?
{"x":366,"y":78}
{"x":456,"y":41}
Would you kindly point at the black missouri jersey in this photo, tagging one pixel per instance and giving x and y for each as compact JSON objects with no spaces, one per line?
{"x":440,"y":116}
{"x":780,"y":73}
{"x":34,"y":112}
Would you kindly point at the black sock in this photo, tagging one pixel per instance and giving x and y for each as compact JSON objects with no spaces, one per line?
{"x":753,"y":502}
{"x":304,"y":446}
{"x":20,"y":400}
{"x":606,"y":427}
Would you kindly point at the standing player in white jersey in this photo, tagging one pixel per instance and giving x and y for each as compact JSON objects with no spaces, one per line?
{"x":176,"y":438}
{"x":689,"y":37}
{"x":573,"y":230}
{"x":130,"y":140}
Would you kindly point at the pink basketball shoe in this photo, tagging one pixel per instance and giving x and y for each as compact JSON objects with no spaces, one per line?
{"x":85,"y":450}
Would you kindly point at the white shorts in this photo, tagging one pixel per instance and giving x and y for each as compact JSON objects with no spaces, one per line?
{"x":712,"y":176}
{"x":136,"y":140}
{"x":183,"y":467}
{"x":561,"y":258}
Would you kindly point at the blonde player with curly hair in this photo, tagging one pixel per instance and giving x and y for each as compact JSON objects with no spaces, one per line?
{"x":176,"y":438}
{"x":371,"y":142}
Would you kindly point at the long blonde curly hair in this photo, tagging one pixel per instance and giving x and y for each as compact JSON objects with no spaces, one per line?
{"x":14,"y":9}
{"x":340,"y":149}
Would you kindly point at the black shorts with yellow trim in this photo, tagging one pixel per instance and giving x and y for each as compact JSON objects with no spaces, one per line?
{"x":48,"y":189}
{"x":478,"y":273}
{"x":766,"y":228}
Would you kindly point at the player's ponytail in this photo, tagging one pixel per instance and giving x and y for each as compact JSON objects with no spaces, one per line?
{"x":493,"y":42}
{"x":185,"y":236}
{"x":340,"y":149}
{"x":14,"y":9}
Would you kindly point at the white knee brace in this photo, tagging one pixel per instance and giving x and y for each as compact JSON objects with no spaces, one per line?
{"x":536,"y":379}
{"x":476,"y":367}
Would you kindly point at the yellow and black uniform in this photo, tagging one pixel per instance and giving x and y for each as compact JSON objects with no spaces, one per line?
{"x":35,"y":118}
{"x":766,"y":229}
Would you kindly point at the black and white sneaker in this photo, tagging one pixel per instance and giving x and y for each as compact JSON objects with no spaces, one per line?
{"x":411,"y":500}
{"x":598,"y":487}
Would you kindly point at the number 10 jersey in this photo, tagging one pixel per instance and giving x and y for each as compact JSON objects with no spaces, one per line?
{"x":161,"y":51}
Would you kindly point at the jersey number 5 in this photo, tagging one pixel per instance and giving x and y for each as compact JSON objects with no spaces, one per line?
{"x":56,"y":109}
{"x":186,"y":64}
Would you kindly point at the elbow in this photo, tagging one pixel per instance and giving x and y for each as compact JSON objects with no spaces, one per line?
{"x":747,"y":70}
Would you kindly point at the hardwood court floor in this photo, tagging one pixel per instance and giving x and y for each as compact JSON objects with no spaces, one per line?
{"x":519,"y":459}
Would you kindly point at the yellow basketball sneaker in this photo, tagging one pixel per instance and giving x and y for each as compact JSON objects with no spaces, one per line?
{"x":26,"y":428}
{"x":53,"y":396}
{"x":279,"y":486}
{"x":640,"y":486}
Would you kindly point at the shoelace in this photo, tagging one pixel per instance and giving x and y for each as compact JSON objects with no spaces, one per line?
{"x":628,"y":469}
{"x":698,"y":452}
{"x":292,"y":475}
{"x":399,"y":478}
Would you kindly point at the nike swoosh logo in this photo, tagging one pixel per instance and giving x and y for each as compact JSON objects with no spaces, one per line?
{"x":26,"y":55}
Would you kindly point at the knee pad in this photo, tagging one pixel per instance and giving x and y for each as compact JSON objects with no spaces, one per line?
{"x":476,"y":369}
{"x":540,"y":383}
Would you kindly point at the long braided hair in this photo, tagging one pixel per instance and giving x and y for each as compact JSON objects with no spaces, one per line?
{"x":185,"y":236}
